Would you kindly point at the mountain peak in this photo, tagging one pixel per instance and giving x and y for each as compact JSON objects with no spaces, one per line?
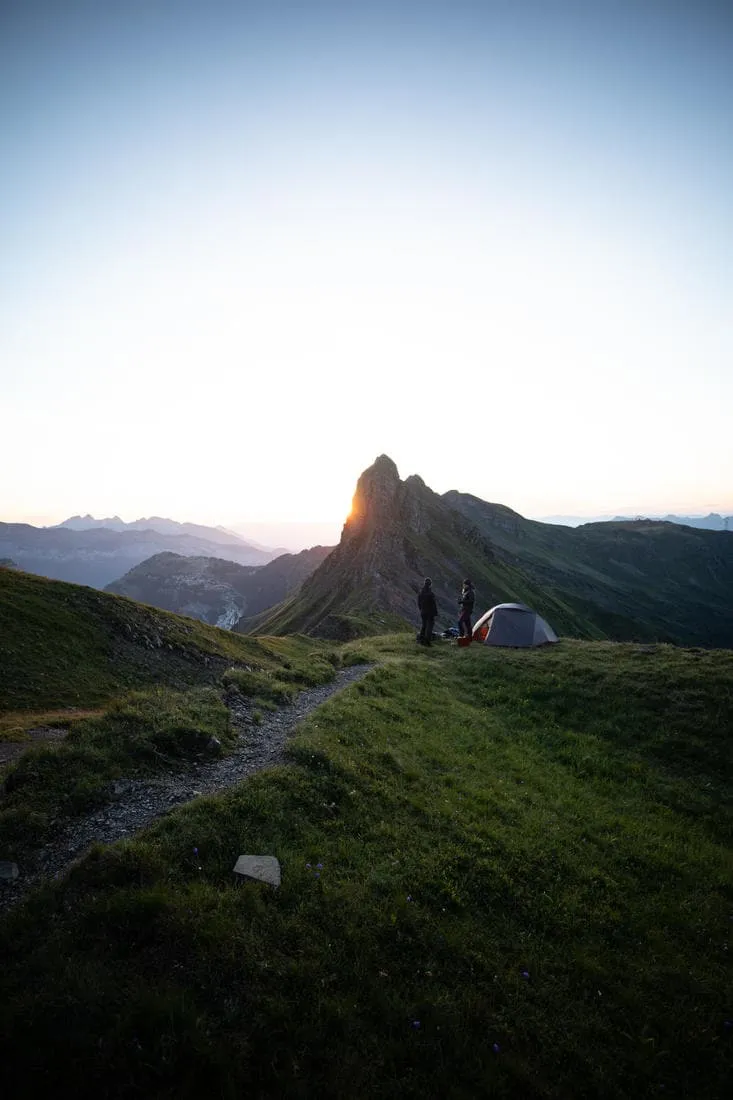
{"x":384,"y":465}
{"x":375,"y":494}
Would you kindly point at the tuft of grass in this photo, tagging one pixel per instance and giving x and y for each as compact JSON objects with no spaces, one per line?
{"x":261,"y":686}
{"x":504,"y":874}
{"x":295,"y":671}
{"x":14,"y":734}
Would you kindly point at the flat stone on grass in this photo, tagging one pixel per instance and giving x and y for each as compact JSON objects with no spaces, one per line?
{"x":263,"y":868}
{"x":9,"y":871}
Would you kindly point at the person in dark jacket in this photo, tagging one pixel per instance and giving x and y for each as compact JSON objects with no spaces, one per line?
{"x":465,"y":603}
{"x":428,"y":612}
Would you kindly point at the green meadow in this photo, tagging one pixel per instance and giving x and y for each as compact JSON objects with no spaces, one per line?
{"x":504,"y":873}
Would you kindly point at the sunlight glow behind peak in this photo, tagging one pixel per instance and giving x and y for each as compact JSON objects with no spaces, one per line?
{"x":246,"y":253}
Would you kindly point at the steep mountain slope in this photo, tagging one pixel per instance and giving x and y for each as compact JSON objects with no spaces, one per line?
{"x":638,"y":581}
{"x":398,"y":533}
{"x":213,"y":590}
{"x":634,"y":579}
{"x":98,"y":556}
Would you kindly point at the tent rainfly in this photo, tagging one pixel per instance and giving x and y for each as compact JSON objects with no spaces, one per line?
{"x":513,"y":624}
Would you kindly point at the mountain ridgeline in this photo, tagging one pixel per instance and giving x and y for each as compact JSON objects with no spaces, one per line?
{"x":98,"y":555}
{"x":213,"y":590}
{"x":629,"y":581}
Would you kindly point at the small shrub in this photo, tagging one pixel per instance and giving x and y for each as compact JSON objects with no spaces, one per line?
{"x":354,"y":657}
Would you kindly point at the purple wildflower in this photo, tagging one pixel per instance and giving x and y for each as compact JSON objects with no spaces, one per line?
{"x":307,"y":866}
{"x":195,"y":851}
{"x":317,"y":874}
{"x":416,"y":1024}
{"x":319,"y":866}
{"x":496,"y":1048}
{"x":525,"y":973}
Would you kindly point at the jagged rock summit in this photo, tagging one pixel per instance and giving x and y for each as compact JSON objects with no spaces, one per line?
{"x":380,"y":562}
{"x":376,"y":492}
{"x":397,"y":533}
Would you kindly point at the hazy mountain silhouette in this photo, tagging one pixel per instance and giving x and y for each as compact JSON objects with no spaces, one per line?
{"x":713,"y":521}
{"x":96,"y":556}
{"x":164,"y":527}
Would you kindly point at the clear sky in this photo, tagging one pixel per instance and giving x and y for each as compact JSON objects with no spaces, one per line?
{"x":247,"y":247}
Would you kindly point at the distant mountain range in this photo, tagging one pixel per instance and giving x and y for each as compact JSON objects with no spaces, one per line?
{"x":629,"y":580}
{"x":711,"y":522}
{"x":166,"y":527}
{"x":96,"y":555}
{"x":216,"y":591}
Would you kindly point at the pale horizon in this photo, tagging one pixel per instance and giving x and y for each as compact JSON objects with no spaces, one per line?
{"x":298,"y":534}
{"x":246,"y":250}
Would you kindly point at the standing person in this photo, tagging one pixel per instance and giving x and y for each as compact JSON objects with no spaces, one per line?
{"x":466,"y":602}
{"x":428,"y":611}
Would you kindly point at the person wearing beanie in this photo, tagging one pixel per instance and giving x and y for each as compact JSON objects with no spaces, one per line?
{"x":465,"y":603}
{"x":428,"y":606}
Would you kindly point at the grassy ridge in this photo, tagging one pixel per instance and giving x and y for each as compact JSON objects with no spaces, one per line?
{"x":640,"y":580}
{"x":524,"y":890}
{"x":66,"y":645}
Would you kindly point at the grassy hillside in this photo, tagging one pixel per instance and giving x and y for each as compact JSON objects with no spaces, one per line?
{"x":504,"y":874}
{"x":65,"y":645}
{"x":326,"y":608}
{"x":639,"y":580}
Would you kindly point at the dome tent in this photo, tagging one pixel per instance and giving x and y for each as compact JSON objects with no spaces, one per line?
{"x":513,"y":624}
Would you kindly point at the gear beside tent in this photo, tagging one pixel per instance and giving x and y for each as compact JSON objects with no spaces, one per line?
{"x":513,"y":624}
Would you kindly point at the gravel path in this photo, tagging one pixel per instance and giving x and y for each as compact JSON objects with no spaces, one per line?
{"x":138,"y":802}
